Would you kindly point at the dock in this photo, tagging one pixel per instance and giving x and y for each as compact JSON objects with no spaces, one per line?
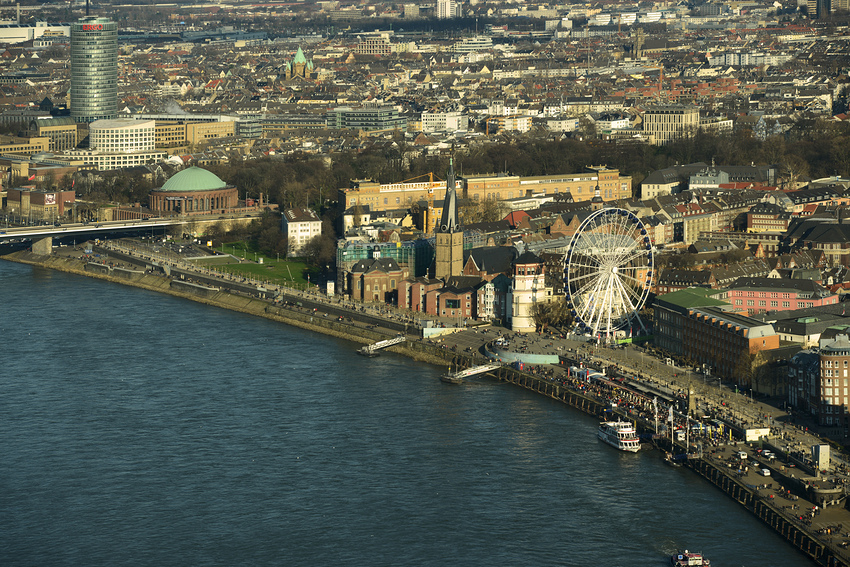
{"x":372,"y":350}
{"x":457,"y":377}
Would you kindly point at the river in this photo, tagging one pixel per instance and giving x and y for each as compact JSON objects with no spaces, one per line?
{"x":143,"y":429}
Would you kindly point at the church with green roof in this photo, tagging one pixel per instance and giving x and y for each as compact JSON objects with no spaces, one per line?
{"x":300,"y":66}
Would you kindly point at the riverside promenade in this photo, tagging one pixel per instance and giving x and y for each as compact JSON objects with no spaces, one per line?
{"x":790,"y":500}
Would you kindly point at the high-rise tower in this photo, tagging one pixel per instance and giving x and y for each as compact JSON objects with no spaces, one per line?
{"x":94,"y":69}
{"x":448,"y":259}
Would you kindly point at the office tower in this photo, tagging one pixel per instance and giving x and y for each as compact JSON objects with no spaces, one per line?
{"x":94,"y":69}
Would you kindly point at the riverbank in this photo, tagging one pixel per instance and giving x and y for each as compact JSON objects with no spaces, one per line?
{"x":302,"y":316}
{"x":307,"y":316}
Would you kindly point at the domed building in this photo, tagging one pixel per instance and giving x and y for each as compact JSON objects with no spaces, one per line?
{"x":194,"y":191}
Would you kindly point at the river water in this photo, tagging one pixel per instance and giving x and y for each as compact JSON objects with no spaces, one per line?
{"x":142,"y":429}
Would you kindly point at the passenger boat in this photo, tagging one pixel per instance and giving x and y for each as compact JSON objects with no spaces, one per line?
{"x":620,"y":434}
{"x":688,"y":559}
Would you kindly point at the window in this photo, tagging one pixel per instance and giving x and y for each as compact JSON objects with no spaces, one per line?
{"x":452,"y":303}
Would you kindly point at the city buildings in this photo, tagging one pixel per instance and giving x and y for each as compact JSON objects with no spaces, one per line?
{"x":580,"y":186}
{"x":299,"y":226}
{"x":671,"y":122}
{"x":447,"y":9}
{"x":39,"y":204}
{"x":818,"y":382}
{"x":94,"y":69}
{"x":757,"y":295}
{"x":380,"y":118}
{"x":122,"y":135}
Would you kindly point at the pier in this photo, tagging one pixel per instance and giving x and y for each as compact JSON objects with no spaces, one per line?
{"x":372,"y":350}
{"x":457,"y":377}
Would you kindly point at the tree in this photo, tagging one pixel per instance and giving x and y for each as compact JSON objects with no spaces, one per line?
{"x":751,"y":369}
{"x":320,"y":251}
{"x":793,"y":168}
{"x":552,"y":314}
{"x":484,"y":210}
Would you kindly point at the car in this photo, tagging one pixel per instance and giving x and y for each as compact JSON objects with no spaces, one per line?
{"x":765,"y":472}
{"x":57,"y":223}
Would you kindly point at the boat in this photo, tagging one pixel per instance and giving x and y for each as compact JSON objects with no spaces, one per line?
{"x":368,"y":352}
{"x":620,"y":434}
{"x":451,"y":379}
{"x":688,"y":559}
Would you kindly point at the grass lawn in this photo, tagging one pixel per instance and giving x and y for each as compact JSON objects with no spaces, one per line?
{"x":284,"y":272}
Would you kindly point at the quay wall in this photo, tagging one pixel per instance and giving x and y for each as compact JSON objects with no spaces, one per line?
{"x":816,"y":550}
{"x":304,"y":317}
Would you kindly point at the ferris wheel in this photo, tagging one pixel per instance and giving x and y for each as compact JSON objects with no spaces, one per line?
{"x":608,"y":272}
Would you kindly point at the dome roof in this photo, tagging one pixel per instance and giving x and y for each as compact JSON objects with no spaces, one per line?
{"x":194,"y":179}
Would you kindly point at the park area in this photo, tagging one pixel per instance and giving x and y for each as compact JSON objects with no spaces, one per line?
{"x":244,"y":258}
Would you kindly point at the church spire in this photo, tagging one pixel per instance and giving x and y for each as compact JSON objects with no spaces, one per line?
{"x":449,"y":221}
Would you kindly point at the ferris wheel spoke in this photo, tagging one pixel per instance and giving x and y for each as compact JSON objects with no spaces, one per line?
{"x":638,"y":287}
{"x":592,"y":300}
{"x":584,"y":260}
{"x":589,"y":305}
{"x":631,"y":293}
{"x":629,"y":254}
{"x":586,"y":276}
{"x":625,"y":296}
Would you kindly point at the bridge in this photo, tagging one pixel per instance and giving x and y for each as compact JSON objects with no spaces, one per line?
{"x":371,"y":350}
{"x":42,"y":235}
{"x":457,"y":377}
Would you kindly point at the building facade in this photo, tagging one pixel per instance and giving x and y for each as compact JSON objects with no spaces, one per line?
{"x":668,"y":123}
{"x":123,"y":135}
{"x":94,"y":69}
{"x":720,"y":339}
{"x":61,"y":132}
{"x":46,"y":205}
{"x":381,"y":197}
{"x":300,"y":226}
{"x":527,"y":290}
{"x":757,"y":295}
{"x":447,"y":9}
{"x":368,"y":119}
{"x":194,"y":191}
{"x":832,"y":392}
{"x":444,"y":121}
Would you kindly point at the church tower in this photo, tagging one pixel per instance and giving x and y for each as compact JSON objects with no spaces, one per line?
{"x":596,"y":203}
{"x":449,"y":236}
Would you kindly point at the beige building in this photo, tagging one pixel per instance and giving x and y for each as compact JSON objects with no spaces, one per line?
{"x":668,"y":123}
{"x":61,"y":132}
{"x":177,"y":133}
{"x":382,"y":197}
{"x":23,"y":146}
